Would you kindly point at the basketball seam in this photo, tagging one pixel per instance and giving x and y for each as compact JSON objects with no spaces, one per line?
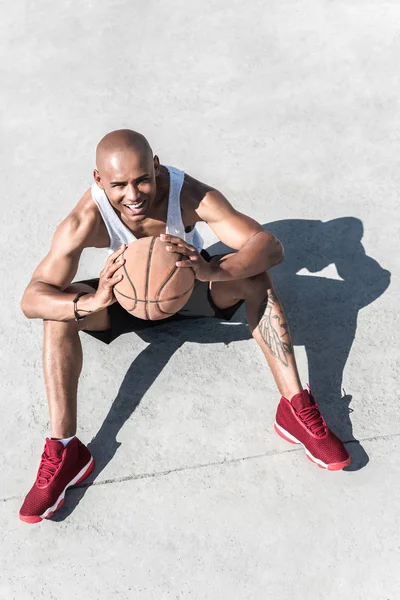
{"x":176,"y":297}
{"x":161,"y":299}
{"x":162,"y":286}
{"x":133,"y":288}
{"x":146,"y":292}
{"x":158,"y":300}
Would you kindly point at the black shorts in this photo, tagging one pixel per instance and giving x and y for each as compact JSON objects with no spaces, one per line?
{"x":200,"y":304}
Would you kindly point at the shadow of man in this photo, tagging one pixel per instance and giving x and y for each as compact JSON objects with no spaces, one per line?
{"x":322,"y":314}
{"x":164,"y":340}
{"x":322,"y":309}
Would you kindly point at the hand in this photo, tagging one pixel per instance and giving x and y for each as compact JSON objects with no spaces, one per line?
{"x":191,"y":257}
{"x":104,"y":295}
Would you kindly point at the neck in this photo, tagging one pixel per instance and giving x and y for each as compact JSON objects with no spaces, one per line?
{"x":162,"y":187}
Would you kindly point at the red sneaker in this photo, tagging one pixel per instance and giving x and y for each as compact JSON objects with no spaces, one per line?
{"x":300,"y":422}
{"x":59,"y":469}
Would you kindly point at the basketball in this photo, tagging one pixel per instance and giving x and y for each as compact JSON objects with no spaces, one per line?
{"x":153,"y":287}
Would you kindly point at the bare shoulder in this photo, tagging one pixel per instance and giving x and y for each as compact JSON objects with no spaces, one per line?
{"x":205,"y":202}
{"x":79,"y":230}
{"x":194,"y":193}
{"x":202,"y":202}
{"x":86,"y":225}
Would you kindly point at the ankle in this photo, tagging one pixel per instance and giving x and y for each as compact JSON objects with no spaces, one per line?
{"x":65,"y":441}
{"x":291,"y":392}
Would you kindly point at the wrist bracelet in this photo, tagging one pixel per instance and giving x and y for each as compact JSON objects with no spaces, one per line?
{"x":75,"y":300}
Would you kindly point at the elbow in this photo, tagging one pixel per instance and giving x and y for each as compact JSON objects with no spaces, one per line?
{"x":280,"y":252}
{"x":26,"y":307}
{"x":276,"y":252}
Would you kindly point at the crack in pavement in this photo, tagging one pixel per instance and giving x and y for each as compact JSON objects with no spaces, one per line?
{"x":205,"y":465}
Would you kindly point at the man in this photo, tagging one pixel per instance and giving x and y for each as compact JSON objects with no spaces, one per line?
{"x":134,"y":196}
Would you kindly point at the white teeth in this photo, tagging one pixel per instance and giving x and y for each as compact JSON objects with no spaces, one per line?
{"x":134,"y":206}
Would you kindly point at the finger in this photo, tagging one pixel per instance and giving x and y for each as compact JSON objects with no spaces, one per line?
{"x":174,"y":248}
{"x":182,"y":250}
{"x":186,"y":263}
{"x":115,"y":266}
{"x":113,"y":257}
{"x":112,"y":272}
{"x":174,"y":240}
{"x":113,"y":280}
{"x":117,"y":252}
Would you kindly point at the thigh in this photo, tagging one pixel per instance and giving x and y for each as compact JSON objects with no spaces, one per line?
{"x":113,"y":321}
{"x":225,"y":293}
{"x":214,"y":299}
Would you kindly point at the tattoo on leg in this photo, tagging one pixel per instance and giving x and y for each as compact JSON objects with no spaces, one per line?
{"x":273,"y":328}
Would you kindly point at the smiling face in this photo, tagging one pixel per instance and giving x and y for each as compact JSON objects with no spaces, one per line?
{"x":126,"y":171}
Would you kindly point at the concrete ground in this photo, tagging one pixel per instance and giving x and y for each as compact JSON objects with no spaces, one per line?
{"x":291,"y":109}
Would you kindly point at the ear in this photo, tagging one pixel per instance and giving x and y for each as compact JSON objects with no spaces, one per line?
{"x":156,"y":165}
{"x":97,"y":179}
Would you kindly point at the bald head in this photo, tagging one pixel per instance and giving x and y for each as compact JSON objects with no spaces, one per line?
{"x":128,"y":173}
{"x":118,"y":144}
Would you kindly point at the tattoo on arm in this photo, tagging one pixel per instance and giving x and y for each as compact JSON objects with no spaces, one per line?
{"x":273,"y":328}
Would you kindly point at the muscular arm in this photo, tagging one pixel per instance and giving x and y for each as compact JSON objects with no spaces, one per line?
{"x":44,"y":297}
{"x":258,"y":250}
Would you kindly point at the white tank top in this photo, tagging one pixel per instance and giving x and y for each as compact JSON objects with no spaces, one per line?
{"x":119,"y":232}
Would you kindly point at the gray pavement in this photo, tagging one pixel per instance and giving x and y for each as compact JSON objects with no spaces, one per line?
{"x":291,"y":110}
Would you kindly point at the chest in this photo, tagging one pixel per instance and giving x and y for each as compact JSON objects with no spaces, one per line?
{"x":154,"y":225}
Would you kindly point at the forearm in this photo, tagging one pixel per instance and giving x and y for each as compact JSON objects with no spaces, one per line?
{"x":44,"y":301}
{"x":259,"y":254}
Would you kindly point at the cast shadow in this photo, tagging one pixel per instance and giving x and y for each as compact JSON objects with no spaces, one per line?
{"x":164,"y":340}
{"x":322,"y":310}
{"x":322,"y":313}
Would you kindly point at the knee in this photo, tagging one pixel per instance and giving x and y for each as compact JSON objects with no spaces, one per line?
{"x":71,"y":324}
{"x":54,"y":327}
{"x":258,"y":285}
{"x":57,"y":327}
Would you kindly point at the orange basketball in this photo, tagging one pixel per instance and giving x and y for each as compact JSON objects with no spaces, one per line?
{"x":153,"y":287}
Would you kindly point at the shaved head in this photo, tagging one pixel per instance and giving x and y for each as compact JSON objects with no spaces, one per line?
{"x":113,"y":146}
{"x":128,"y":173}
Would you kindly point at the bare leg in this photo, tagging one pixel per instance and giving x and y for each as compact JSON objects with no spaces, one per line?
{"x":62,"y":365}
{"x":268,"y":326}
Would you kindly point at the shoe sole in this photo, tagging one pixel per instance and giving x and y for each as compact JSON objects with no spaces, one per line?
{"x":288,"y":437}
{"x":83,"y":473}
